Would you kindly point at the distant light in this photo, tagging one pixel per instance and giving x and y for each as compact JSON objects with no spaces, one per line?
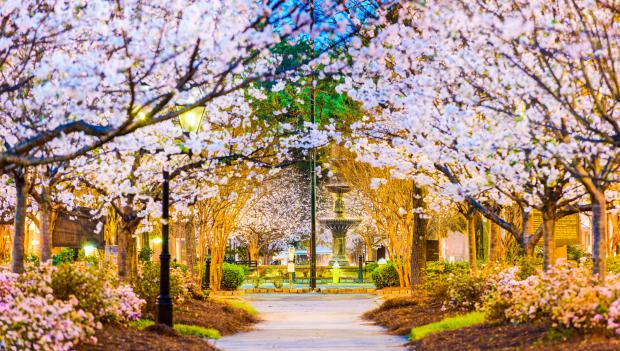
{"x":89,"y":249}
{"x":156,"y":240}
{"x":35,"y":242}
{"x":382,"y":261}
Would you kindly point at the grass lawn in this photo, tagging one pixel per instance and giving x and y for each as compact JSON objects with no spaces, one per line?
{"x":242,"y":306}
{"x":183,"y":329}
{"x":450,"y":323}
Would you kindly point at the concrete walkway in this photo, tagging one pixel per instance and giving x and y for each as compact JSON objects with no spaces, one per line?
{"x":312,"y":322}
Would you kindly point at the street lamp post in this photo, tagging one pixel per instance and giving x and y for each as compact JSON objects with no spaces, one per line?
{"x":190,"y":121}
{"x":164,"y":301}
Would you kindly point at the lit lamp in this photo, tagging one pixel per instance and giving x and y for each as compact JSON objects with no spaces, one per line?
{"x":191,"y":120}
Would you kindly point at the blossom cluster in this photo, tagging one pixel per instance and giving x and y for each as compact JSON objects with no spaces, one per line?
{"x":566,"y":296}
{"x":56,"y":308}
{"x":39,"y":321}
{"x":466,"y":292}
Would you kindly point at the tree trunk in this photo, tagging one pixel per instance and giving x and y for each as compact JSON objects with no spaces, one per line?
{"x":471,"y":241}
{"x":599,"y":233}
{"x":47,"y":217}
{"x":527,"y":244}
{"x":17,"y":265}
{"x":190,"y":240}
{"x":370,"y":252}
{"x":253,"y":251}
{"x":418,"y":245}
{"x":217,"y":260}
{"x":127,"y":259}
{"x":5,"y":243}
{"x":548,"y":224}
{"x":495,"y":243}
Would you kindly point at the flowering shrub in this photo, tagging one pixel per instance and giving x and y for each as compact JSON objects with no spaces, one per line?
{"x":44,"y":323}
{"x":40,"y":322}
{"x":466,"y":291}
{"x":146,"y":285}
{"x":97,"y":291}
{"x":55,"y":308}
{"x":123,"y":305}
{"x":566,"y":296}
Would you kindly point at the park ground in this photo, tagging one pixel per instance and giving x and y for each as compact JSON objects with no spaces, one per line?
{"x":366,"y":322}
{"x":313,"y":322}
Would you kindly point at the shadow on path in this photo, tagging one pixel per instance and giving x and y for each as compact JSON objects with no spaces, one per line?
{"x":312,"y":322}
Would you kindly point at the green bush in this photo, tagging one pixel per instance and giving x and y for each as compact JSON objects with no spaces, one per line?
{"x":145,"y":254}
{"x":232,"y":276}
{"x":66,"y":255}
{"x":437,"y":281}
{"x":466,"y":291}
{"x":146,"y":285}
{"x":180,"y":266}
{"x":369,"y":268}
{"x":575,"y":252}
{"x":85,"y":283}
{"x":33,"y":259}
{"x":385,"y":276}
{"x":246,"y":269}
{"x":96,"y":290}
{"x":613,"y":264}
{"x":529,"y":266}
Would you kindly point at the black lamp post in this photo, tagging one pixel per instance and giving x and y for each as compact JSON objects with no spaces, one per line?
{"x":190,"y":121}
{"x":164,"y":301}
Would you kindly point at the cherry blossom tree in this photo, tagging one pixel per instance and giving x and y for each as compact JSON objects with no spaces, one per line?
{"x":77,"y":75}
{"x":276,"y":214}
{"x":472,"y":87}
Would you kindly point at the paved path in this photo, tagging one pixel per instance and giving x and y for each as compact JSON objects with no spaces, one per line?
{"x":312,"y":322}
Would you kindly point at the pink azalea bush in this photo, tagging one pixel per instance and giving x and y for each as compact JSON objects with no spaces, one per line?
{"x":30,"y":322}
{"x":466,"y":291}
{"x":566,"y":296}
{"x":98,"y":291}
{"x":39,"y":322}
{"x":56,"y":308}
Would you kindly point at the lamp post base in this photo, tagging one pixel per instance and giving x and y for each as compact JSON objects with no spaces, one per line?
{"x":164,"y":310}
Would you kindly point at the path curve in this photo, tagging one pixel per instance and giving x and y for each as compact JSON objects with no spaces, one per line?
{"x":312,"y":322}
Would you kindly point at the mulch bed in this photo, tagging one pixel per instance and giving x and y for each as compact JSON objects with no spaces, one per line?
{"x":209,"y":314}
{"x":510,"y":337}
{"x":214,"y":314}
{"x":400,"y":314}
{"x":114,"y":338}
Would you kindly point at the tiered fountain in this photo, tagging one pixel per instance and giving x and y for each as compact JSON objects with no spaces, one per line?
{"x":339,"y":224}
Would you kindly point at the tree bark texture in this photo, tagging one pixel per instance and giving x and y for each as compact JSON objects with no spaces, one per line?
{"x":548,"y":238}
{"x":471,"y":241}
{"x":599,"y":233}
{"x":418,"y":247}
{"x":17,"y":264}
{"x":127,"y":251}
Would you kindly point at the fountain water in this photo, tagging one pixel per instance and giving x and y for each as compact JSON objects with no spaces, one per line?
{"x":339,"y":224}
